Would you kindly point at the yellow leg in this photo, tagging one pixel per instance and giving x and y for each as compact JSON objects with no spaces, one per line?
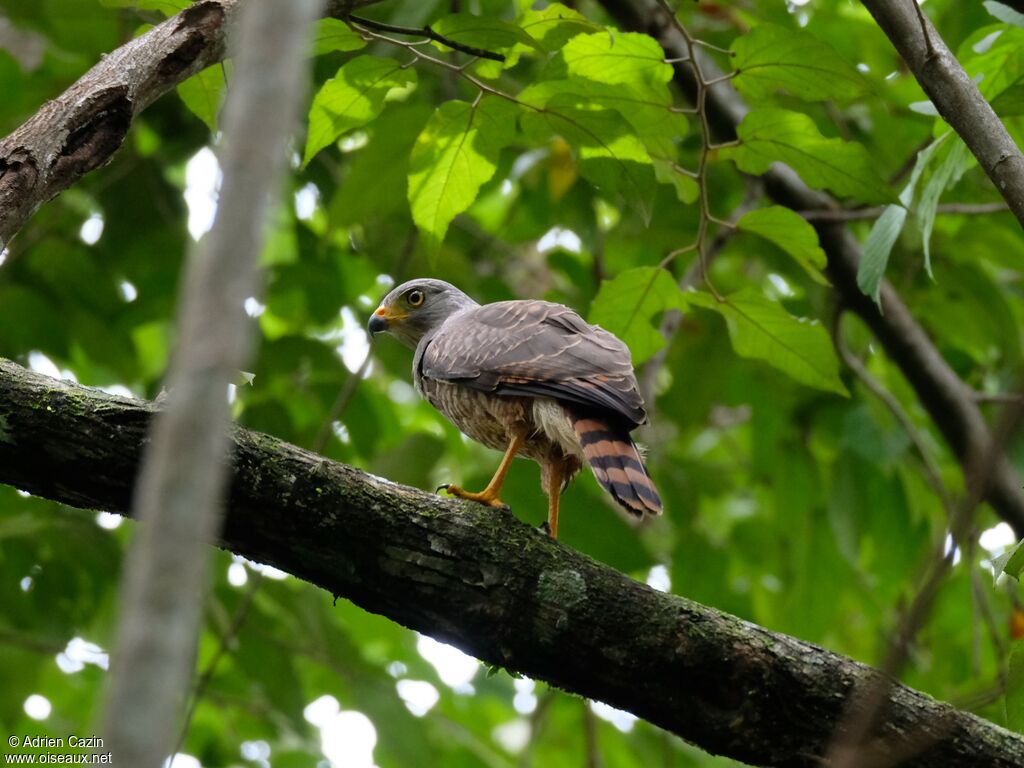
{"x":489,"y":495}
{"x":554,"y":494}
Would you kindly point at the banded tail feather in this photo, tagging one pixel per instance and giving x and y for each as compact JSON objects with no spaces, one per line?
{"x":617,"y":465}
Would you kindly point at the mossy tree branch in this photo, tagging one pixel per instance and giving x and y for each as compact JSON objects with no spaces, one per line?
{"x":495,"y":587}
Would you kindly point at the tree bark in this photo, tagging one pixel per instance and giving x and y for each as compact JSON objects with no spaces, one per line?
{"x":497,"y":588}
{"x":945,"y":397}
{"x":954,"y":95}
{"x":80,"y":130}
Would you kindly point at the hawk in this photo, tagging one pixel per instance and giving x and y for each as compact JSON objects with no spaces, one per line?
{"x":530,"y":378}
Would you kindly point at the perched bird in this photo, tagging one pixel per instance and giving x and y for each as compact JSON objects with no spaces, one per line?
{"x":530,"y":378}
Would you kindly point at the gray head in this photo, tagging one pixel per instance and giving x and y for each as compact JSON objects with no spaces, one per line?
{"x":412,"y":309}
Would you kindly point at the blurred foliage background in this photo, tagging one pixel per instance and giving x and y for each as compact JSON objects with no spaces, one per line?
{"x":794,"y":498}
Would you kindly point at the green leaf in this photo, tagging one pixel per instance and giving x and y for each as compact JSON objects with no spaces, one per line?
{"x":354,"y":97}
{"x":610,"y":154}
{"x":203,"y":93}
{"x":948,"y":173}
{"x":647,"y":110}
{"x":377,"y":178}
{"x":877,"y":248}
{"x":618,"y":58}
{"x":888,"y":226}
{"x":761,"y":329}
{"x":490,"y":34}
{"x":335,"y":35}
{"x":846,"y":168}
{"x":770,"y":58}
{"x":1015,"y":688}
{"x":618,"y":123}
{"x":454,"y":155}
{"x":1010,"y":103}
{"x":1014,"y":564}
{"x":555,"y":25}
{"x":1004,"y":13}
{"x":996,"y":60}
{"x":627,"y":304}
{"x":791,"y":232}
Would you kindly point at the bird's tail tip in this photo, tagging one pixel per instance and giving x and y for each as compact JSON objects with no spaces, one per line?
{"x":618,"y":466}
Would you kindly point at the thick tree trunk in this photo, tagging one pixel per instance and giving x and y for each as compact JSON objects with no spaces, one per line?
{"x":495,"y":587}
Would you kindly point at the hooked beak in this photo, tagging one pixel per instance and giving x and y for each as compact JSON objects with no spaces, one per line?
{"x":381,"y":319}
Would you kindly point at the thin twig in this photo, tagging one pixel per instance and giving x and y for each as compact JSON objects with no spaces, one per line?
{"x":890,"y":401}
{"x":702,"y":84}
{"x":929,"y":46}
{"x":859,"y":214}
{"x":341,"y":402}
{"x":430,"y":34}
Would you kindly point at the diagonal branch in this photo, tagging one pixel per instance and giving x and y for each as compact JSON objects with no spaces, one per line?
{"x":80,"y":130}
{"x":946,"y":398}
{"x":954,"y":95}
{"x":495,"y":587}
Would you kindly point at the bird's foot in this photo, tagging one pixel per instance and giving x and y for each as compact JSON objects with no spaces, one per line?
{"x":544,"y":528}
{"x":486,"y":496}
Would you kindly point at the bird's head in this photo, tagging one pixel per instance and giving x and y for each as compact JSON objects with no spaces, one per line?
{"x":417,"y":307}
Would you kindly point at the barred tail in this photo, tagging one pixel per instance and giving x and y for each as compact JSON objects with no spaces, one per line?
{"x":617,"y":466}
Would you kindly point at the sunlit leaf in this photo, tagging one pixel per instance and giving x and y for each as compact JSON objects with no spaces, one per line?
{"x":629,"y":303}
{"x":772,"y":135}
{"x":477,"y":31}
{"x":761,"y":329}
{"x":203,"y":94}
{"x":611,"y":154}
{"x":455,"y":154}
{"x":377,"y":178}
{"x":336,"y":35}
{"x":770,"y":58}
{"x":617,"y":58}
{"x":791,"y":232}
{"x":353,"y":97}
{"x":554,"y":25}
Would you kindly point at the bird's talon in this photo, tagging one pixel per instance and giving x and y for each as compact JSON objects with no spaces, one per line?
{"x":544,"y":528}
{"x":442,"y":487}
{"x":487,"y":498}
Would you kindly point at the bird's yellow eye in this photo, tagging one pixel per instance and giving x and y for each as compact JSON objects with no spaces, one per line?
{"x":414,"y":297}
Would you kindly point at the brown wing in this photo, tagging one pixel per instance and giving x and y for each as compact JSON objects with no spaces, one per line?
{"x":534,"y":348}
